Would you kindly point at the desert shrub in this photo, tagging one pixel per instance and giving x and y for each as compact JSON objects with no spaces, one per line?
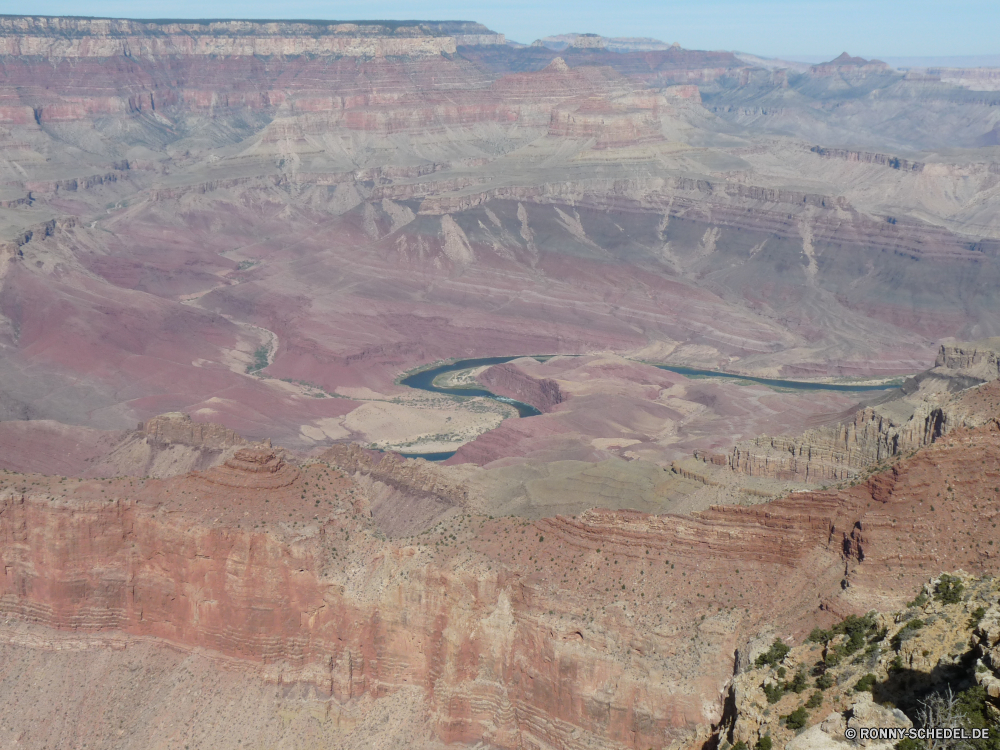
{"x":773,"y":655}
{"x":799,"y":683}
{"x":815,"y":700}
{"x":818,"y":635}
{"x":824,"y":681}
{"x":773,"y":691}
{"x":865,"y":684}
{"x":857,"y":629}
{"x":797,"y":718}
{"x":976,"y":711}
{"x":259,"y":359}
{"x":976,"y":616}
{"x":764,"y":743}
{"x":949,"y":589}
{"x":919,"y":601}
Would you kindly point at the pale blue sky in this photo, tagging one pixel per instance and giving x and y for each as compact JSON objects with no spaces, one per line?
{"x":817,"y":28}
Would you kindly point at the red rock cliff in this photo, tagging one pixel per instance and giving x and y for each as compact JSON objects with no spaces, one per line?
{"x":615,"y":628}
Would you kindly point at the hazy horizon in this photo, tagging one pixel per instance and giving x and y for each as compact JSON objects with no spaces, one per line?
{"x":821,"y":29}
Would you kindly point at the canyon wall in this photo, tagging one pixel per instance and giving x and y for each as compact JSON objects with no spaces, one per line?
{"x":612,"y":629}
{"x":50,"y":37}
{"x":929,"y":406}
{"x":493,"y":665}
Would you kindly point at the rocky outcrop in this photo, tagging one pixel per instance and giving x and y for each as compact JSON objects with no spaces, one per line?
{"x":986,"y":638}
{"x":977,"y":359}
{"x":588,"y":41}
{"x":896,"y":665}
{"x":508,"y":380}
{"x":615,"y":629}
{"x":253,"y":468}
{"x":930,"y":406}
{"x":845,"y":64}
{"x":833,"y":454}
{"x":168,"y":445}
{"x":868,"y":157}
{"x":177,"y":428}
{"x":410,"y":476}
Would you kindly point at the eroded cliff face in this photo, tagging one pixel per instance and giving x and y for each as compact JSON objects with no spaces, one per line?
{"x":835,"y":454}
{"x":930,"y":406}
{"x":327,"y":603}
{"x":39,"y":36}
{"x":614,"y":629}
{"x":934,"y":645}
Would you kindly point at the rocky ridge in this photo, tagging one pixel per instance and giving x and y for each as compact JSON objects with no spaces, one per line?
{"x":516,"y":632}
{"x":51,"y":37}
{"x":882,"y":670}
{"x":929,"y":407}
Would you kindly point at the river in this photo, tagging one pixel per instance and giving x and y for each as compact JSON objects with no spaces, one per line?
{"x":424,"y":381}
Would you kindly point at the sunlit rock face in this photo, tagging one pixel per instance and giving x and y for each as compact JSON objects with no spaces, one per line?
{"x":615,"y":627}
{"x":217,"y":234}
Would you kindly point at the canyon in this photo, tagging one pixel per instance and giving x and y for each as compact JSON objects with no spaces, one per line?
{"x":224,"y":245}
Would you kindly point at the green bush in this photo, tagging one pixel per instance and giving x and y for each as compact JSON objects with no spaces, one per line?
{"x":259,"y":359}
{"x":857,"y":629}
{"x":976,"y":616}
{"x":773,"y":655}
{"x":740,"y":745}
{"x":909,"y":744}
{"x":854,"y":642}
{"x":799,"y":683}
{"x":824,"y":681}
{"x":817,"y":635}
{"x":797,"y":718}
{"x":865,"y":684}
{"x":974,"y":706}
{"x":815,"y":700}
{"x":949,"y":589}
{"x":919,"y":601}
{"x":764,"y":743}
{"x":773,"y":692}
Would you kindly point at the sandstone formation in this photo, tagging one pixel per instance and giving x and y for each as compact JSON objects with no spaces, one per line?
{"x":554,"y":632}
{"x":487,"y":201}
{"x":253,"y":469}
{"x":932,"y":647}
{"x":178,"y":429}
{"x":40,"y":36}
{"x":233,"y":228}
{"x":930,"y":406}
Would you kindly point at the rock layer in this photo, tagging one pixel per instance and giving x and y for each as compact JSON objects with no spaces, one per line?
{"x":929,"y":407}
{"x":556,"y":632}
